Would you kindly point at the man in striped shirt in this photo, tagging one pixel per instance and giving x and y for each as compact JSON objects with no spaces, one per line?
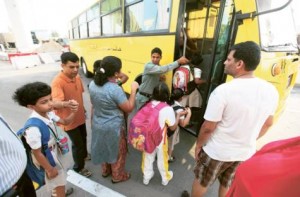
{"x":13,"y":178}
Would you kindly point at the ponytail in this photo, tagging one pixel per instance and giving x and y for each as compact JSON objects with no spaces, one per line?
{"x":100,"y":77}
{"x":109,"y":65}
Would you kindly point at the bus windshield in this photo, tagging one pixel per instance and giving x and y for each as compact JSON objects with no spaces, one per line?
{"x":277,"y":29}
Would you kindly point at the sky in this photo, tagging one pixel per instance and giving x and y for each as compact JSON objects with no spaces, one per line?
{"x":55,"y":15}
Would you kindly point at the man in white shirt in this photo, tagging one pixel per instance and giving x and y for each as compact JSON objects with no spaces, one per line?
{"x":237,"y":114}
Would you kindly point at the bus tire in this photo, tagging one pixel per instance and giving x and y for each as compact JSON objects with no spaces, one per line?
{"x":85,"y":70}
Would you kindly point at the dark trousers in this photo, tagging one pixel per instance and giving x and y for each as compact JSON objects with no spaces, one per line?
{"x":23,"y":187}
{"x":79,"y":149}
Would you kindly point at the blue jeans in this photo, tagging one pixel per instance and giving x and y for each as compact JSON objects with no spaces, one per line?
{"x":79,"y":149}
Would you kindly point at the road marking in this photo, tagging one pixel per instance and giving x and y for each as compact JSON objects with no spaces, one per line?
{"x":90,"y":186}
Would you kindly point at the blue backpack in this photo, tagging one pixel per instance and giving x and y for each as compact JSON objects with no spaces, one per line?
{"x":37,"y":175}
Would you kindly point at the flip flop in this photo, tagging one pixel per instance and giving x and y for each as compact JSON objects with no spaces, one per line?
{"x":125,"y":177}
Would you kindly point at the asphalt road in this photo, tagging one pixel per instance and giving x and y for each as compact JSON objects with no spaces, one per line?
{"x":10,"y":79}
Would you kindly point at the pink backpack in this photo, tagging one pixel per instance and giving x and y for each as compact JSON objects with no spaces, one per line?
{"x":144,"y":132}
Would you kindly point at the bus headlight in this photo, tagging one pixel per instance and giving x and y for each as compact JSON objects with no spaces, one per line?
{"x":276,"y":69}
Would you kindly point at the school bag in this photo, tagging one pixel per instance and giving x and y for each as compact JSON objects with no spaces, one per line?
{"x":183,"y":78}
{"x":37,"y":175}
{"x":144,"y":132}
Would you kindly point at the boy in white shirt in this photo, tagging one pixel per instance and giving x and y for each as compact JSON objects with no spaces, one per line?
{"x":37,"y":97}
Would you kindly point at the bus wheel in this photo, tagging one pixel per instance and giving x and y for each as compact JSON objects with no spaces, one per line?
{"x":87,"y":73}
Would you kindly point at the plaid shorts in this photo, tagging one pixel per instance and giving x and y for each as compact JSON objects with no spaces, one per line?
{"x":208,"y":169}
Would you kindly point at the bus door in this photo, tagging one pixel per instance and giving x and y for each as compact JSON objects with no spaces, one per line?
{"x":208,"y":27}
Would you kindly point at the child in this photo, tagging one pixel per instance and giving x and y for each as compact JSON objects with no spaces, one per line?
{"x":175,"y":99}
{"x":166,"y":119}
{"x":37,"y":97}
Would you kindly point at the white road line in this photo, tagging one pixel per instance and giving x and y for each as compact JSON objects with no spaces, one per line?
{"x":90,"y":186}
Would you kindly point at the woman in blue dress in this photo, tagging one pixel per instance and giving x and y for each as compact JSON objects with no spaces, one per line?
{"x":109,"y":103}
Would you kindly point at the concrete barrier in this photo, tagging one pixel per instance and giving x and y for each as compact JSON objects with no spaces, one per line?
{"x":25,"y":61}
{"x":50,"y":57}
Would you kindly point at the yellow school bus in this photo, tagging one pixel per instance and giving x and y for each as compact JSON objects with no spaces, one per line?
{"x":130,"y":29}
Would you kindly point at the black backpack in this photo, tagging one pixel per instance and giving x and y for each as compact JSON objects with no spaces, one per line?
{"x":175,"y":108}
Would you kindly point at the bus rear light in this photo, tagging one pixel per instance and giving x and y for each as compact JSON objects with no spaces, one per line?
{"x":276,"y":69}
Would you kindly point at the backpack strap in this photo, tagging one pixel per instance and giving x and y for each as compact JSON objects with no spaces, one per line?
{"x":176,"y":107}
{"x":192,"y":70}
{"x":160,"y":105}
{"x":45,"y":136}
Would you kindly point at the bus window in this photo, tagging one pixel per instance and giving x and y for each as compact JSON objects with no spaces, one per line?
{"x":82,"y":26}
{"x":94,"y":21}
{"x":202,"y":28}
{"x":109,"y":5}
{"x":147,"y":16}
{"x":112,"y":23}
{"x":75,"y":31}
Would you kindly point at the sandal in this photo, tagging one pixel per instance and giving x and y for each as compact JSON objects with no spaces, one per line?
{"x":171,"y":159}
{"x":124,"y":177}
{"x":106,"y":170}
{"x":104,"y":175}
{"x":69,"y":191}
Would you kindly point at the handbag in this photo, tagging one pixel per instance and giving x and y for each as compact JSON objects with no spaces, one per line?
{"x":61,"y":141}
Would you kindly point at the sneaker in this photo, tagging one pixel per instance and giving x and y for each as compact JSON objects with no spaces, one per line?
{"x":85,"y":172}
{"x":146,"y":181}
{"x":88,"y":157}
{"x":164,"y":183}
{"x":171,"y":159}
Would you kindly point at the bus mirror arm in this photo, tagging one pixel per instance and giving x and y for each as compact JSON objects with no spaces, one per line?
{"x":240,"y":16}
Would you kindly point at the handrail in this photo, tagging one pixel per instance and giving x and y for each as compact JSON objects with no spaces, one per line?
{"x":184,"y":40}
